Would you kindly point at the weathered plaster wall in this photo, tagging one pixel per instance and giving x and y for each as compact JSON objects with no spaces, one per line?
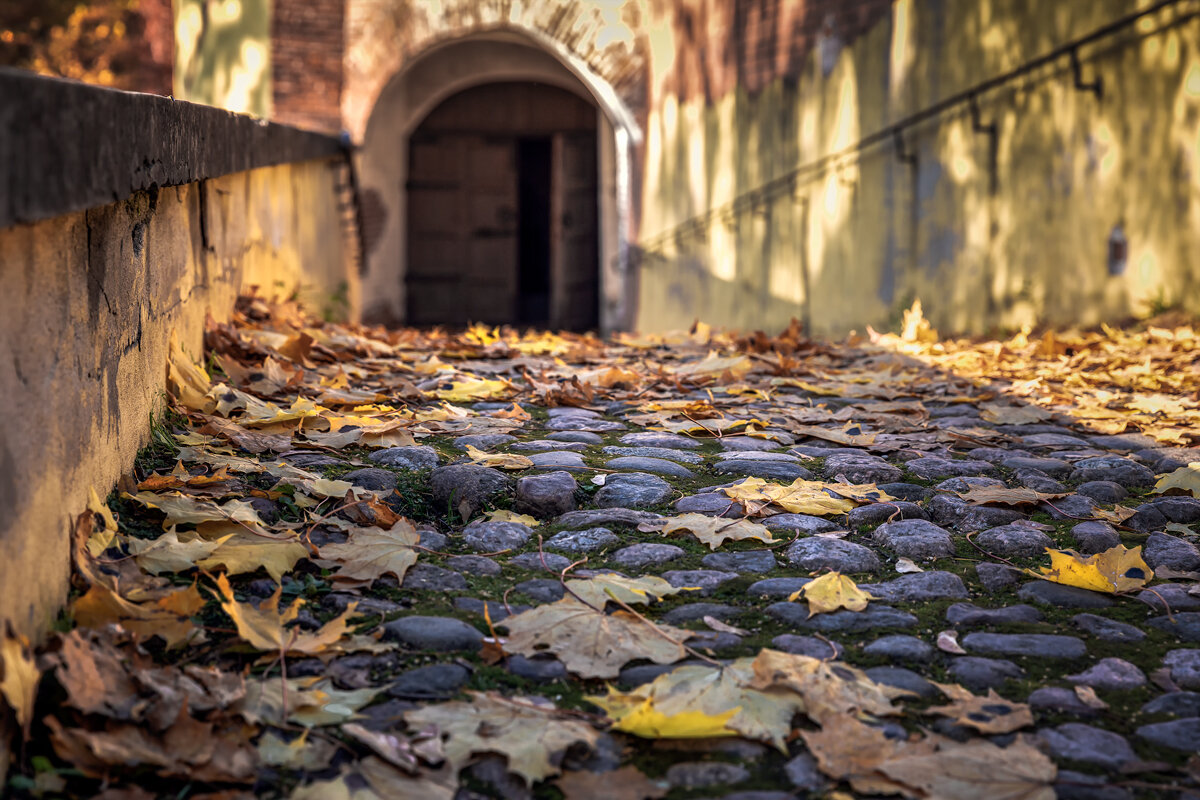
{"x":90,"y":300}
{"x":858,"y":243}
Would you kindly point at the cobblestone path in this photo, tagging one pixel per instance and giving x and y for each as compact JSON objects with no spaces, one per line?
{"x":532,"y":468}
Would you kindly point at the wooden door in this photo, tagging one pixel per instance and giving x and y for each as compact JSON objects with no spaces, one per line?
{"x":462,"y":227}
{"x":574,"y":303}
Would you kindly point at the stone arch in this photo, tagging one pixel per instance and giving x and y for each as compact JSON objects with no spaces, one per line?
{"x":449,"y":64}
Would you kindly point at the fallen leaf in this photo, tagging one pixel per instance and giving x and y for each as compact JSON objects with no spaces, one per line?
{"x":244,"y":552}
{"x":830,"y":592}
{"x":712,"y":531}
{"x":805,"y":497}
{"x":311,"y":702}
{"x":19,"y":676}
{"x":405,"y":752}
{"x":264,"y":627}
{"x":828,"y":688}
{"x":168,"y":616}
{"x":988,"y":715}
{"x":590,"y":643}
{"x":471,"y":390}
{"x":498,"y":460}
{"x":169,"y":553}
{"x":626,"y":783}
{"x":1185,"y":480}
{"x":530,"y":732}
{"x":504,"y":515}
{"x":906,"y":566}
{"x":301,"y":753}
{"x":1005,"y":414}
{"x":182,"y":509}
{"x":1116,"y":570}
{"x":598,"y":590}
{"x":947,"y":642}
{"x":186,"y":379}
{"x":723,"y":627}
{"x":370,"y":553}
{"x":1087,"y":696}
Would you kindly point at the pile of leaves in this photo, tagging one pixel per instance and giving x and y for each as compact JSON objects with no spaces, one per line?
{"x":170,"y":674}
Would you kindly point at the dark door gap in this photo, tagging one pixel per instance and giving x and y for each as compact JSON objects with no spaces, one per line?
{"x":533,"y":230}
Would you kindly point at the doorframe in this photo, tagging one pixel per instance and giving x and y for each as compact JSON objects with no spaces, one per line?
{"x":451,"y":67}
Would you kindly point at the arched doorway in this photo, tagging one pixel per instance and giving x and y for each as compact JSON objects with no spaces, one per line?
{"x":502,"y":209}
{"x":444,"y":71}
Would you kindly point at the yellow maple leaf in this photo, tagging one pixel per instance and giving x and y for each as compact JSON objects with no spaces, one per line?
{"x":1185,"y":480}
{"x":244,"y":552}
{"x":599,"y":589}
{"x":168,"y":616}
{"x":500,"y":460}
{"x":830,"y":592}
{"x":504,"y":515}
{"x":472,"y":389}
{"x":1118,"y":569}
{"x":806,"y":497}
{"x":186,"y":379}
{"x":370,"y":553}
{"x":263,"y":627}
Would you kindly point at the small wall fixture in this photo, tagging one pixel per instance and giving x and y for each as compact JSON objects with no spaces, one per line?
{"x":1118,"y":251}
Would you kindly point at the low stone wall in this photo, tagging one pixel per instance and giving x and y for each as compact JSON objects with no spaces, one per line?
{"x":197,"y":206}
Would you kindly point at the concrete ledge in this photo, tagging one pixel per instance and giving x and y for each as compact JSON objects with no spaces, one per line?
{"x":67,"y":146}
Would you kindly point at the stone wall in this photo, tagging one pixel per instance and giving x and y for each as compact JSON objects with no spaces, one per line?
{"x":1085,"y":211}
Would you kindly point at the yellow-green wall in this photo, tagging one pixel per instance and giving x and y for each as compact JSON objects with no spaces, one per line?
{"x":223,"y":54}
{"x":859,"y":243}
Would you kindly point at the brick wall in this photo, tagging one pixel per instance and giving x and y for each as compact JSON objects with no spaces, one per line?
{"x":307,"y":43}
{"x":749,"y":43}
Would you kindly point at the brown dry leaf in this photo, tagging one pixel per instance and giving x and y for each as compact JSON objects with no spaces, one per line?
{"x":529,"y":731}
{"x":19,"y":676}
{"x":1087,"y":696}
{"x":626,"y":783}
{"x":712,"y":531}
{"x":805,"y":497}
{"x":406,"y":752}
{"x":263,"y":627}
{"x":370,"y":553}
{"x":841,"y":437}
{"x":830,"y":592}
{"x":1004,"y":496}
{"x":934,"y":767}
{"x":170,"y":553}
{"x":301,"y":753}
{"x":828,"y":689}
{"x":598,"y":590}
{"x":186,"y":379}
{"x":167,"y":616}
{"x":388,"y":783}
{"x":988,"y":715}
{"x":310,"y":702}
{"x":1185,"y":480}
{"x":244,"y":552}
{"x":248,"y":440}
{"x":589,"y":643}
{"x":182,"y":509}
{"x":1005,"y":414}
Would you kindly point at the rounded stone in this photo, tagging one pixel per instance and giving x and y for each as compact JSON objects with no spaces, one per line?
{"x":876,"y":513}
{"x":946,"y":509}
{"x":547,"y":495}
{"x":494,"y":537}
{"x":902,"y":678}
{"x":1112,"y":674}
{"x":434,"y":682}
{"x":697,"y":611}
{"x":702,"y":774}
{"x":466,"y":488}
{"x":1175,"y":704}
{"x":545,"y":445}
{"x":776,"y":587}
{"x":667,"y":453}
{"x":539,"y":669}
{"x":818,"y":552}
{"x":1165,"y":550}
{"x":474,"y":565}
{"x":1058,"y":699}
{"x":372,"y":479}
{"x":606,"y":516}
{"x":1170,"y":597}
{"x":752,"y":561}
{"x":541,"y":590}
{"x":1014,"y":541}
{"x":433,"y":579}
{"x":900,"y":648}
{"x":440,"y":634}
{"x":1184,"y":625}
{"x":1094,"y":536}
{"x":706,"y":580}
{"x":918,"y":586}
{"x":915,"y":538}
{"x":771,"y":470}
{"x":541,"y":562}
{"x":656,"y":465}
{"x":977,"y":673}
{"x":1103,"y":491}
{"x":1075,"y":741}
{"x":1107,"y":629}
{"x":1155,"y":515}
{"x":1123,"y":471}
{"x":932,"y":467}
{"x":578,"y":437}
{"x":633,"y":490}
{"x":1031,"y":645}
{"x":860,"y":468}
{"x":809,"y":646}
{"x":410,"y":458}
{"x":654,"y":439}
{"x":483,"y":441}
{"x":844,"y":621}
{"x":645,"y":554}
{"x":1056,"y":594}
{"x":558,"y":459}
{"x":804,"y":523}
{"x":967,"y":615}
{"x":995,"y":577}
{"x":715,"y":504}
{"x":1184,"y":666}
{"x":585,"y":541}
{"x":1179,"y":734}
{"x":1050,"y":466}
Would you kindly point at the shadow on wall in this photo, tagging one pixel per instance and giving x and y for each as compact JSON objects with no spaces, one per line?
{"x":222,"y":54}
{"x":1079,"y":209}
